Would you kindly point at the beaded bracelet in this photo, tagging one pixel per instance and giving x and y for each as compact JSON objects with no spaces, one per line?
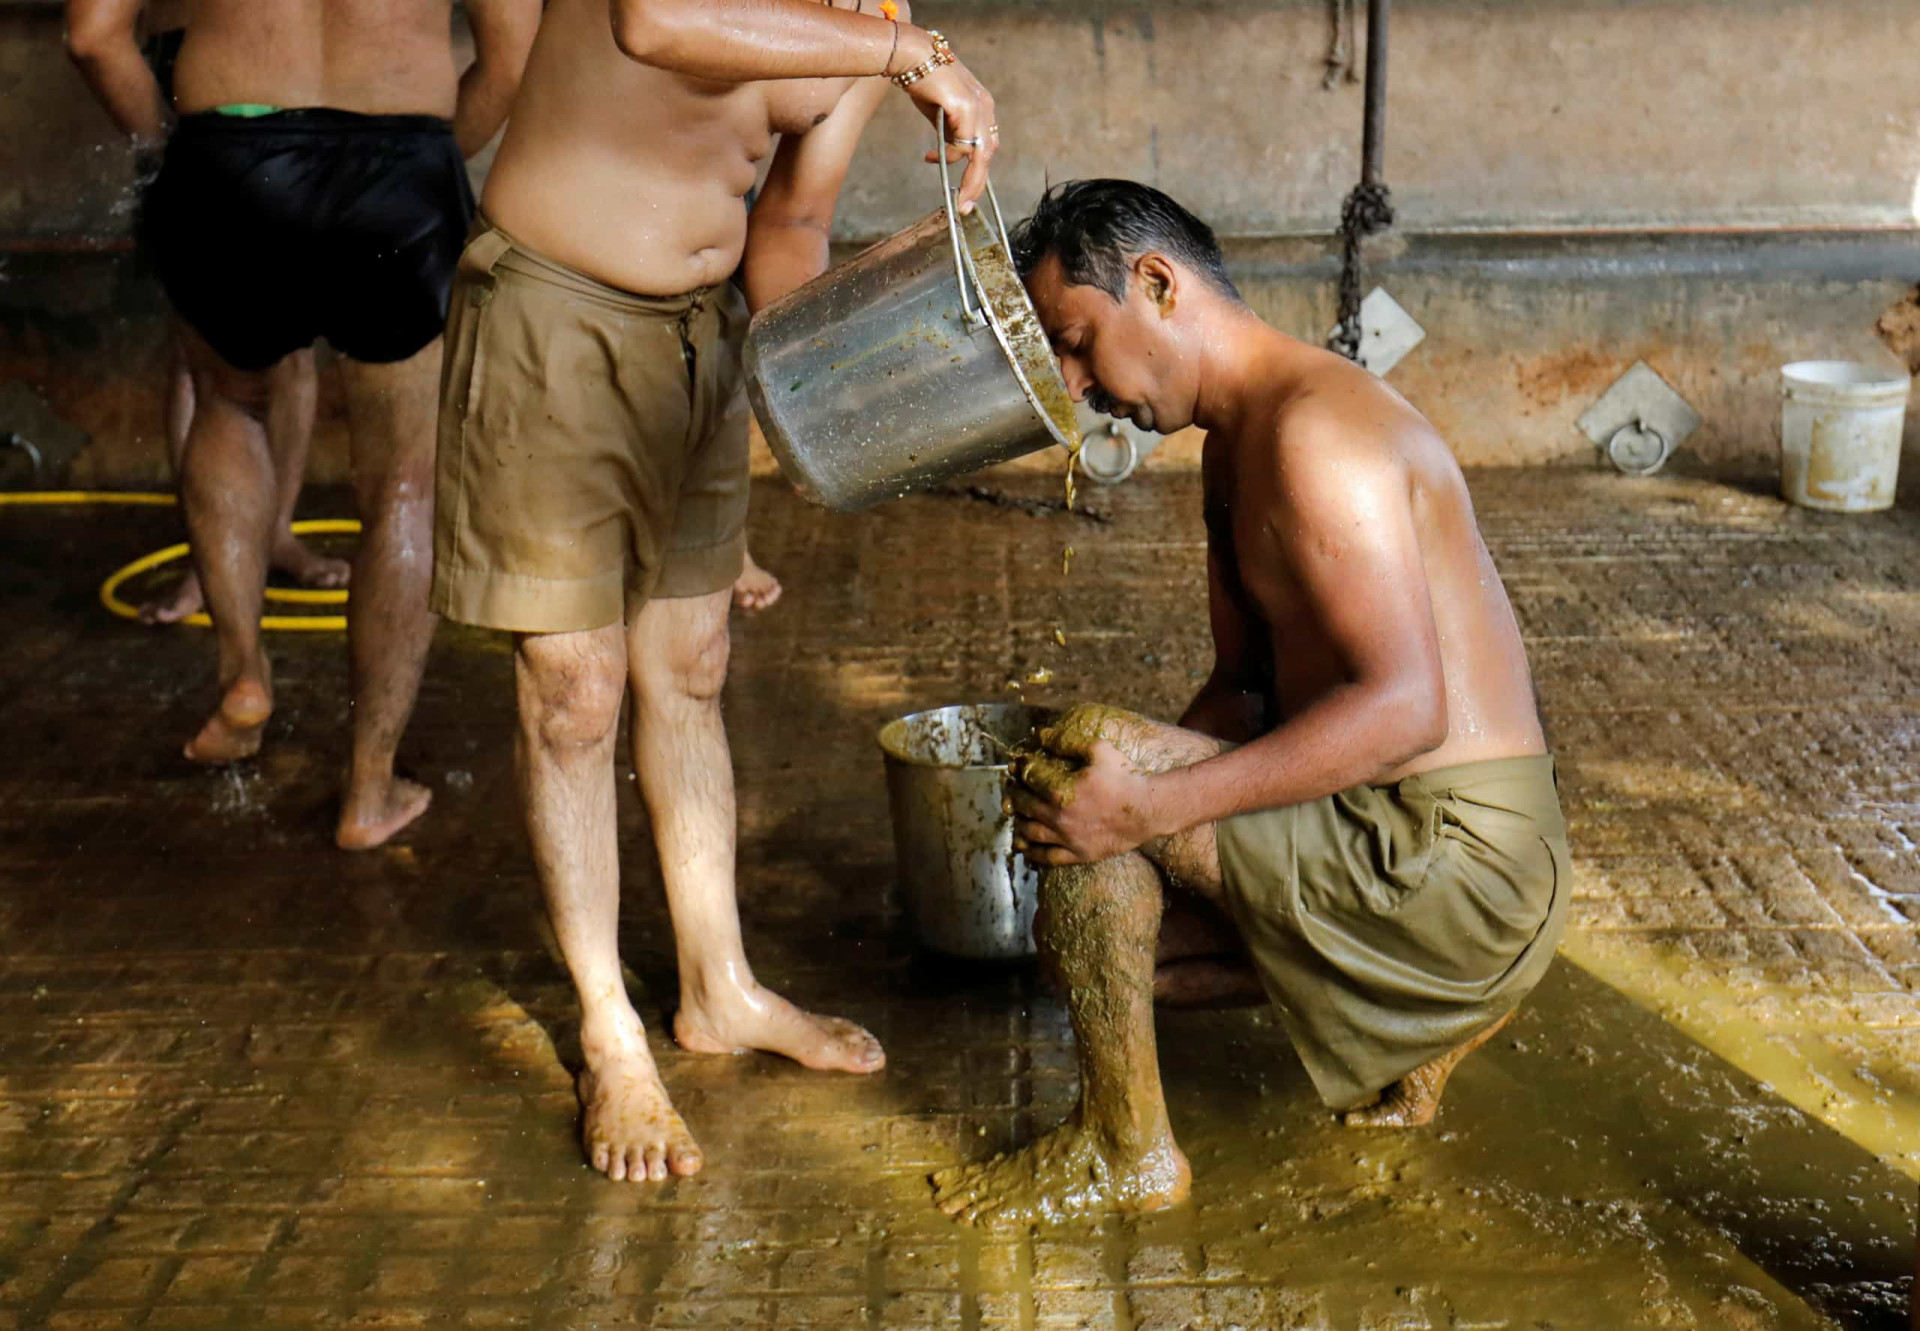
{"x":942,"y":55}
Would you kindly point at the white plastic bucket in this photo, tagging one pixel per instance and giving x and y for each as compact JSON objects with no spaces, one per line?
{"x":1840,"y":426}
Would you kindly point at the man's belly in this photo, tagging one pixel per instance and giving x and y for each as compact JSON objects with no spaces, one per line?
{"x":642,"y":231}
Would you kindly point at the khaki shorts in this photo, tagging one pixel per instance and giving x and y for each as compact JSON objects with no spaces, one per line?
{"x":593,"y":445}
{"x":1390,"y":924}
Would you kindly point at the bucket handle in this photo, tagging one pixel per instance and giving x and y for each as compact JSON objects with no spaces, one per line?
{"x":962,"y":261}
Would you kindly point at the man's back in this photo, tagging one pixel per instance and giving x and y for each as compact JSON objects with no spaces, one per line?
{"x":376,"y":57}
{"x":1356,"y":462}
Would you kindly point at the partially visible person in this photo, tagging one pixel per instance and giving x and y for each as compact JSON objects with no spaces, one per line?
{"x":295,"y":389}
{"x":291,"y":398}
{"x":755,"y":589}
{"x":314,"y":186}
{"x":1357,"y":814}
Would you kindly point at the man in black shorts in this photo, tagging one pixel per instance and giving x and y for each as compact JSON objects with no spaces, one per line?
{"x":163,"y":27}
{"x":314,"y":186}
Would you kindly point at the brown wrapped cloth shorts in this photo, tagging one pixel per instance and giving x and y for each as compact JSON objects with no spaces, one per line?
{"x":1390,"y":924}
{"x":593,"y":445}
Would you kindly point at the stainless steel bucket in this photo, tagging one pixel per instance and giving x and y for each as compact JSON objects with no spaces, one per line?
{"x":917,"y":360}
{"x":967,"y":892}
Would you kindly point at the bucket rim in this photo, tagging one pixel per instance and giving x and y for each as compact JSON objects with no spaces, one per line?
{"x":1841,"y":376}
{"x":993,"y":254}
{"x":895,"y":754}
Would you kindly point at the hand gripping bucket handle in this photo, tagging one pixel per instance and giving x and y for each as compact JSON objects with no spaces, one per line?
{"x":963,"y":270}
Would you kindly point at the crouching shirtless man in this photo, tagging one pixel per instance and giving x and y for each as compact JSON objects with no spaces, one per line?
{"x":592,"y":488}
{"x":1357,"y":814}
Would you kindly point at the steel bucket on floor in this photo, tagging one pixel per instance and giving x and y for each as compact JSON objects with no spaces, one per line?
{"x":966,"y":890}
{"x":916,"y":361}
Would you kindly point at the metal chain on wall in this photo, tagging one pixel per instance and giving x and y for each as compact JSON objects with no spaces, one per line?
{"x":1368,"y":209}
{"x":1340,"y":65}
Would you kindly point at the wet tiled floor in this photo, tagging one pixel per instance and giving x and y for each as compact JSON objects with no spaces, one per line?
{"x":248,"y":1081}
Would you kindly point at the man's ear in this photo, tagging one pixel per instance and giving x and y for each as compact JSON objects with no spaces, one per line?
{"x":1160,"y":280}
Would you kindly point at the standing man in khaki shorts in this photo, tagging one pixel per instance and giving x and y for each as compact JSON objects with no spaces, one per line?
{"x":593,"y":464}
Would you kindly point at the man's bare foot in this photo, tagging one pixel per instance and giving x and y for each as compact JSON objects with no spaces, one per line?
{"x":1412,"y":1101}
{"x":1072,"y":1171}
{"x":290,"y":556}
{"x":293,"y":557}
{"x":1207,"y":982}
{"x":764,"y":1020}
{"x":628,"y":1126}
{"x":371,"y":819}
{"x":176,"y":603}
{"x":755,"y":589}
{"x":233,"y":731}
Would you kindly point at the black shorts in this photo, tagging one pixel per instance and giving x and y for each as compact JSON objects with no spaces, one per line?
{"x":272,"y":231}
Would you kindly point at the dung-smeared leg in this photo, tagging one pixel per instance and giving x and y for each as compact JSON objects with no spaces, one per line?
{"x":1115,"y":1152}
{"x":1412,"y":1101}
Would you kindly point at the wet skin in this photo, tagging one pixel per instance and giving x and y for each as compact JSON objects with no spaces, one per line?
{"x":289,"y":432}
{"x":672,"y":661}
{"x":638,"y":132}
{"x":1118,"y":935}
{"x":1360,"y":635}
{"x":374,"y":59}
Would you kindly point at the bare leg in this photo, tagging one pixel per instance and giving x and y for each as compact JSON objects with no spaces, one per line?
{"x":1207,"y":982}
{"x":755,"y":589}
{"x":292,"y":392}
{"x":296,"y":394}
{"x":1200,"y":960}
{"x":1412,"y":1101}
{"x":677,"y":661}
{"x":184,"y":597}
{"x":570,"y":686}
{"x":391,"y":411}
{"x":1115,"y":1152}
{"x":226,"y":491}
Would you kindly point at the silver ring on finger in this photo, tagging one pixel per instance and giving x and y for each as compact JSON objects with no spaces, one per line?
{"x":967,"y":143}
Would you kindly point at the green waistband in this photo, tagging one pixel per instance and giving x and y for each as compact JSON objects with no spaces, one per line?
{"x":246,"y":110}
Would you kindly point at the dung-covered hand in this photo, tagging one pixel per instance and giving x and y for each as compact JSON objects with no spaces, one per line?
{"x":1078,"y":801}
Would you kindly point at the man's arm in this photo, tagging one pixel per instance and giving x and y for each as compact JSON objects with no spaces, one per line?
{"x":1348,"y":534}
{"x":101,"y":41}
{"x":792,"y":218}
{"x":738,"y":41}
{"x":502,"y":35}
{"x":1232,"y":704}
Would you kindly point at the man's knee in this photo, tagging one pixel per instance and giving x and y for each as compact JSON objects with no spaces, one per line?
{"x":1149,"y":745}
{"x":392,"y":415}
{"x":686,"y":656}
{"x":703,"y":674}
{"x":405,"y":478}
{"x":570,"y":689}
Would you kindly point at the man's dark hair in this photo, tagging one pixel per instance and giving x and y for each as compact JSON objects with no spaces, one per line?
{"x":1099,"y":227}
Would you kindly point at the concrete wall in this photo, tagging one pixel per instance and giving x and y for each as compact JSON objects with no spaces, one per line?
{"x":1712,"y":185}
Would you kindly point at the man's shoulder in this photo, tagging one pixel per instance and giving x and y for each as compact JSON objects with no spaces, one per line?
{"x":1351,"y":415}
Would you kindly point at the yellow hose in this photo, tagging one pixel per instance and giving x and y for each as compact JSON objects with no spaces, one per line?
{"x":285,"y":595}
{"x":87,"y":497}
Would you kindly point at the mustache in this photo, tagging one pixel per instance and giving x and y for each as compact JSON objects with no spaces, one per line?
{"x":1102,"y":401}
